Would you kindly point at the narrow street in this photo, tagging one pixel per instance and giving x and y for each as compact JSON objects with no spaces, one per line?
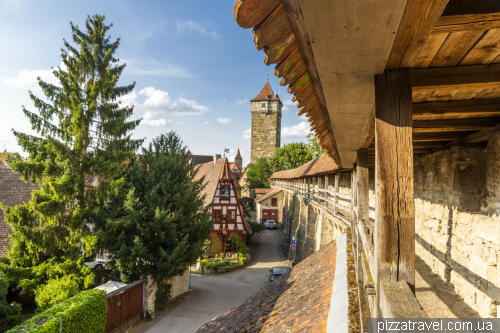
{"x":216,"y":295}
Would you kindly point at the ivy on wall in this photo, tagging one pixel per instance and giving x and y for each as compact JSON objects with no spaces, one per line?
{"x":85,"y":312}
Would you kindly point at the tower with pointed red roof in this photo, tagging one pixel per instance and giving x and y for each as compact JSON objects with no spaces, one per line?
{"x":266,"y":123}
{"x":238,"y":159}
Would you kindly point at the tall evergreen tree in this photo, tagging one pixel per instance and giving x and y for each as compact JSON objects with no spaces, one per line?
{"x":160,"y":222}
{"x":77,"y":158}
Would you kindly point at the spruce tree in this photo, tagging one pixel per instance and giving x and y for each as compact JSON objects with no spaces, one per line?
{"x":160,"y":221}
{"x":78,"y":158}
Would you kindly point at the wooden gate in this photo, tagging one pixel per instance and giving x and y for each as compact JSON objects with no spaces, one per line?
{"x":125,"y":306}
{"x":270,"y":214}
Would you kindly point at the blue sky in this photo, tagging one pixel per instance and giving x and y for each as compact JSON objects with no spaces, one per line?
{"x":195,"y":68}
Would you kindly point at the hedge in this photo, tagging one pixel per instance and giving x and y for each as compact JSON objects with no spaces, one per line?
{"x":85,"y":312}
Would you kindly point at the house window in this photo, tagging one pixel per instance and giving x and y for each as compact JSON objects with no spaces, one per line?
{"x":217,"y":215}
{"x":263,"y":105}
{"x":224,"y":191}
{"x":274,"y":202}
{"x":232,"y":215}
{"x":235,"y":169}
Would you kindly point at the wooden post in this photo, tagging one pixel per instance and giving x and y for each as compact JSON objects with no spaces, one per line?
{"x":336,"y":198}
{"x":326,"y":189}
{"x":394,"y":208}
{"x":308,"y":187}
{"x":363,"y":185}
{"x":354,"y":203}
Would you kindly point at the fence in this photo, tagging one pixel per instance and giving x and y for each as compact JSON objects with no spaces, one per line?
{"x":125,"y":306}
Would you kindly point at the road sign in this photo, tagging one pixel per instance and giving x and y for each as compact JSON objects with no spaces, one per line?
{"x":293,"y":242}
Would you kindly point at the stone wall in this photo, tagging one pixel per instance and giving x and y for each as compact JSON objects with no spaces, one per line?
{"x":180,"y":284}
{"x":266,"y":134}
{"x":457,"y":224}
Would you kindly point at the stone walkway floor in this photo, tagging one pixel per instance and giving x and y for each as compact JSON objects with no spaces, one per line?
{"x":438,"y":298}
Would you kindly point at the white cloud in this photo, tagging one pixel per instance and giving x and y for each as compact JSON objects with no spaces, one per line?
{"x":223,"y":120}
{"x":160,"y":102}
{"x":206,"y":123}
{"x":157,"y":122}
{"x":247,"y":134}
{"x":193,"y":26}
{"x":222,"y":100}
{"x":300,"y":130}
{"x":27,"y":79}
{"x":241,"y":102}
{"x":154,"y":68}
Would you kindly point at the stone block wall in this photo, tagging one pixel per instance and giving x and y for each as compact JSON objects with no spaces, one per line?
{"x":266,"y":135}
{"x":457,"y":222}
{"x":180,"y":284}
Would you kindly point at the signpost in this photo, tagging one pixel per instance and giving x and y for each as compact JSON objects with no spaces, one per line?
{"x":293,"y":242}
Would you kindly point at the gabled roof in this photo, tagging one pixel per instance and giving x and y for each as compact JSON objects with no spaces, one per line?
{"x":262,"y":190}
{"x":13,"y":191}
{"x":199,"y":159}
{"x":319,"y":165}
{"x":266,"y":94}
{"x":214,"y":172}
{"x":302,"y":300}
{"x":268,"y":195}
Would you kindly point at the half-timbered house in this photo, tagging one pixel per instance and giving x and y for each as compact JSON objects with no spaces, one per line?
{"x":220,"y":191}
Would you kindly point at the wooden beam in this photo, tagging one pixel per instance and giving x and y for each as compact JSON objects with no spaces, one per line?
{"x":369,"y":130}
{"x":418,"y":144}
{"x":456,"y":78}
{"x":426,"y":137}
{"x":471,"y":7}
{"x":398,"y":301}
{"x":454,"y":125}
{"x":336,"y":198}
{"x":363,"y":185}
{"x":295,"y":16}
{"x":475,"y":107}
{"x":477,"y":137}
{"x":417,"y":23}
{"x":395,"y":207}
{"x":457,"y":23}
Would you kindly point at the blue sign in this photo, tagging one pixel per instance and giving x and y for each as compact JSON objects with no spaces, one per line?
{"x":293,"y":242}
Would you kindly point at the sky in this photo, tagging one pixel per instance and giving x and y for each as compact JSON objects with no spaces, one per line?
{"x":195,"y":69}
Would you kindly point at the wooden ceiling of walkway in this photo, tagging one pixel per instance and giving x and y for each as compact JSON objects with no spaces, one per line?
{"x":453,"y":48}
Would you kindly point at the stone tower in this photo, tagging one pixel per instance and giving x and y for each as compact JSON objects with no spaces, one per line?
{"x":238,"y":159}
{"x":266,"y":123}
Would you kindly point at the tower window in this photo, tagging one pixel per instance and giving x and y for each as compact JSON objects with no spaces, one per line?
{"x":263,"y":105}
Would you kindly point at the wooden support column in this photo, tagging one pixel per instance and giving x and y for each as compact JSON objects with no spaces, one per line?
{"x":394,"y":208}
{"x":354,"y":202}
{"x":336,"y":198}
{"x":326,"y":189}
{"x":308,"y":187}
{"x":363,"y":185}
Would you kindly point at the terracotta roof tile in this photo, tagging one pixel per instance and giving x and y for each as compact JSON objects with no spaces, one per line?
{"x":213,"y":172}
{"x":265,"y":94}
{"x":262,"y":190}
{"x":13,"y":191}
{"x":238,"y":155}
{"x":268,"y":195}
{"x":298,"y":301}
{"x":319,"y":165}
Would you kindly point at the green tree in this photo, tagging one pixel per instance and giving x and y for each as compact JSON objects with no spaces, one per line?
{"x":77,"y":158}
{"x":160,"y":221}
{"x":312,"y":145}
{"x":10,"y":313}
{"x":290,"y":156}
{"x":258,"y":174}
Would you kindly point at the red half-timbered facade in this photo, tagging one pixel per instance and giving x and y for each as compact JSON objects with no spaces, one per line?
{"x":221,"y":191}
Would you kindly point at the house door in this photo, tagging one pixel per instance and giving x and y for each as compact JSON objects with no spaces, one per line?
{"x":273,"y":215}
{"x":266,"y":215}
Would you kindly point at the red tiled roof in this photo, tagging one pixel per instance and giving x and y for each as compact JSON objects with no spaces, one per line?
{"x":213,"y":172}
{"x":268,"y":195}
{"x":319,"y":165}
{"x":13,"y":191}
{"x":238,"y":155}
{"x":266,"y":94}
{"x":262,"y":190}
{"x":298,"y":301}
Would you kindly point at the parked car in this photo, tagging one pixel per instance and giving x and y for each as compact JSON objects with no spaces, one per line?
{"x":276,"y":272}
{"x":270,"y":224}
{"x":96,"y":264}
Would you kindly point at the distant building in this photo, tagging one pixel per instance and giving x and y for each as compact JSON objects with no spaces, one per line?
{"x":269,"y":206}
{"x":13,"y":191}
{"x":266,"y":123}
{"x":221,"y":191}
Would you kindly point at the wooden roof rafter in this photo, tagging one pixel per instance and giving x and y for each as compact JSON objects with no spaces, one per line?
{"x":273,"y":31}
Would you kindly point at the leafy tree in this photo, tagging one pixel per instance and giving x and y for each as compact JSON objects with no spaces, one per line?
{"x":10,"y":313}
{"x":77,"y":158}
{"x":314,"y":148}
{"x":290,"y":156}
{"x":55,"y":291}
{"x":9,"y":157}
{"x":160,"y":221}
{"x":258,"y":174}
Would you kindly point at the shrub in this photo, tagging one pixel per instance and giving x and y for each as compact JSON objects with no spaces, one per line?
{"x":85,"y":312}
{"x":243,"y":261}
{"x":10,"y":314}
{"x":55,"y":291}
{"x":204,"y":262}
